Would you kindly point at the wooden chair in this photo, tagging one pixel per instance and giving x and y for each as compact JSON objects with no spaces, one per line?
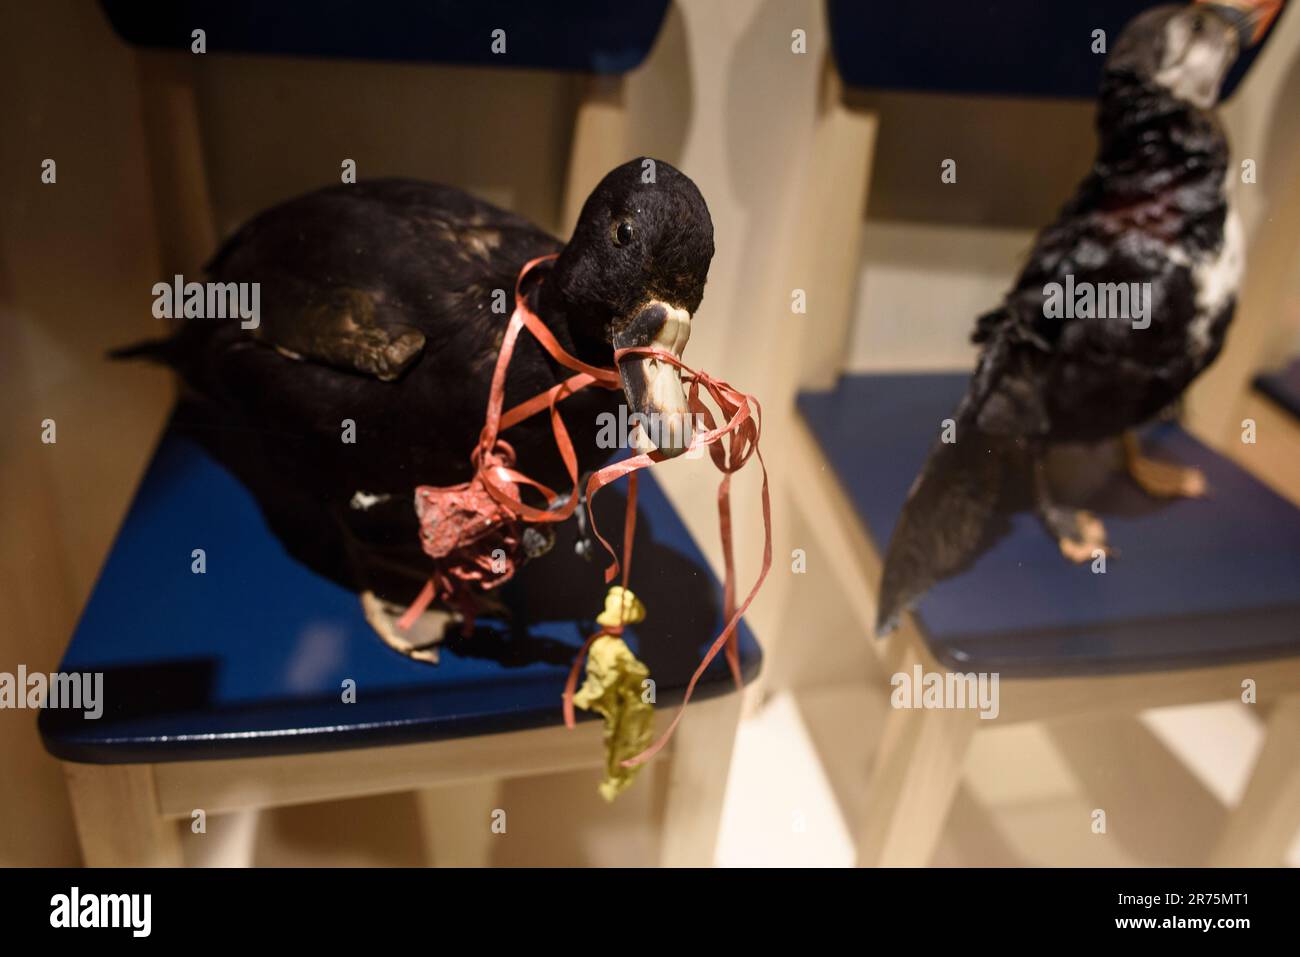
{"x":228,"y":690}
{"x":220,"y":699}
{"x":863,"y":438}
{"x":1202,"y":596}
{"x":1273,"y":406}
{"x":598,"y":43}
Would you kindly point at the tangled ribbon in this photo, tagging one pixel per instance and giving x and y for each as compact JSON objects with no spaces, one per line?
{"x":467,"y":528}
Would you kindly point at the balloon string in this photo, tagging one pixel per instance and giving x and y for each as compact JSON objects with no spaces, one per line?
{"x":730,"y":446}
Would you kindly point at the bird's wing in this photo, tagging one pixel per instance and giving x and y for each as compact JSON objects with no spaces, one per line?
{"x":1005,"y":397}
{"x":354,"y":277}
{"x":343,"y":326}
{"x":1026,"y":344}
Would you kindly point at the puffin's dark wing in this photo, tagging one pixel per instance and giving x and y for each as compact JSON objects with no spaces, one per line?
{"x":1037,"y":364}
{"x":359,"y":276}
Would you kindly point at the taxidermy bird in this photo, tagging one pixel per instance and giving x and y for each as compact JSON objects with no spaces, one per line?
{"x":1151,"y":223}
{"x":382,"y":308}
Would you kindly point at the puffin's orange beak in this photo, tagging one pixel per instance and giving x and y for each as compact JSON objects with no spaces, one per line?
{"x":1252,"y":18}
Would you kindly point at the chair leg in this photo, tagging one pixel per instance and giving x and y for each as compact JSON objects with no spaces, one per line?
{"x":829,"y":229}
{"x":1265,"y":822}
{"x":177,"y":174}
{"x":697,"y":781}
{"x":457,"y":822}
{"x":230,"y":840}
{"x":917,"y":771}
{"x":118,"y":824}
{"x":599,"y":143}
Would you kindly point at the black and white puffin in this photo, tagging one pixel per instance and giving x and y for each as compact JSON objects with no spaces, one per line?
{"x":384,"y":303}
{"x":1152,"y":221}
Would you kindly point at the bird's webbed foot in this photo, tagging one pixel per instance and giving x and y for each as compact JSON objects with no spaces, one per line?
{"x":1161,"y":479}
{"x":1079,"y":533}
{"x":421,"y":640}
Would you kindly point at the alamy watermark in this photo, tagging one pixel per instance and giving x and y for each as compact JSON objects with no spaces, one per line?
{"x":673,"y":430}
{"x":208,"y":300}
{"x":1130,"y":301}
{"x":948,"y":690}
{"x":130,"y":911}
{"x":78,"y":691}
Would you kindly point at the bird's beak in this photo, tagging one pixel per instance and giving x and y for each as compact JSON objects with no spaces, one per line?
{"x":654,"y":387}
{"x":1251,"y":18}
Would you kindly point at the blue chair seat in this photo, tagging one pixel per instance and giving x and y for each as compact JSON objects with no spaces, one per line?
{"x":249,"y":659}
{"x":591,"y":36}
{"x":1194,"y":583}
{"x":990,"y":48}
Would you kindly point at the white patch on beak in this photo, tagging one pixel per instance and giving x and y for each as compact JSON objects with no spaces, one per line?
{"x":1195,"y":64}
{"x":670,"y":418}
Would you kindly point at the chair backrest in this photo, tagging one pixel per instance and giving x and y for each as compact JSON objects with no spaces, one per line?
{"x":989,"y":47}
{"x":592,"y":36}
{"x":1283,"y":386}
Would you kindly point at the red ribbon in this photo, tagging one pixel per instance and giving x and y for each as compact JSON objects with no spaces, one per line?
{"x":494,"y":499}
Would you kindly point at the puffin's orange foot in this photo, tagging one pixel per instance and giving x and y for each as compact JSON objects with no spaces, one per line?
{"x":1089,"y":537}
{"x":1079,"y":535}
{"x":1162,"y":479}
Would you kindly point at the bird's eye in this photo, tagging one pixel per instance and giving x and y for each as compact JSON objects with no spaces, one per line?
{"x":1198,"y":23}
{"x":623,"y":233}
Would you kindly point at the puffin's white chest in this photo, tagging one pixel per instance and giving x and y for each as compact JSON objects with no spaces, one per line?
{"x":1216,"y":277}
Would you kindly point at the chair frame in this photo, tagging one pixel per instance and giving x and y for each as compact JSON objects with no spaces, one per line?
{"x":131,"y":814}
{"x":920,"y":755}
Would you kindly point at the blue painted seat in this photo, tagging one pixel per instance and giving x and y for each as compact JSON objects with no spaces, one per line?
{"x":995,"y":47}
{"x":1194,"y":583}
{"x":591,"y":36}
{"x":1283,"y":387}
{"x":249,"y":658}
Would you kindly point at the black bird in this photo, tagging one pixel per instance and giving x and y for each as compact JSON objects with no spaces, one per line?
{"x":1150,"y":228}
{"x":384,"y":303}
